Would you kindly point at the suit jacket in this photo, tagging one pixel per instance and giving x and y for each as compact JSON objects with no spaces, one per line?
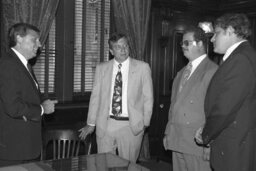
{"x":230,"y":107}
{"x":186,"y":113}
{"x":19,"y":96}
{"x":139,"y":96}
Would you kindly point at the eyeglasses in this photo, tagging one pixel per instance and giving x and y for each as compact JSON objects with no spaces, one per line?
{"x":187,"y":42}
{"x":121,"y":47}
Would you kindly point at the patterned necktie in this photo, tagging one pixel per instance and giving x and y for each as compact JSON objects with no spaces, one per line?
{"x":186,"y":74}
{"x":117,"y":94}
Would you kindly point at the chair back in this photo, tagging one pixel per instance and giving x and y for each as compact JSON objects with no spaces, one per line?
{"x":64,"y":143}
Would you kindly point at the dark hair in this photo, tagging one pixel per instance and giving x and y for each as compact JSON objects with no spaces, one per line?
{"x":115,"y":37}
{"x":199,"y":34}
{"x":238,"y":21}
{"x":20,"y":29}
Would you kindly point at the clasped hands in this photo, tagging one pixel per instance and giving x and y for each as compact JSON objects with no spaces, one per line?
{"x":199,"y":140}
{"x":198,"y":136}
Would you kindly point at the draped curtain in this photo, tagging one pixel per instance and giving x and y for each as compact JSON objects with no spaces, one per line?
{"x":39,"y":13}
{"x":132,"y":18}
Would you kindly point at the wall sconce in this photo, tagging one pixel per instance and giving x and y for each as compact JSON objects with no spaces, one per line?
{"x":208,"y":29}
{"x":206,"y":26}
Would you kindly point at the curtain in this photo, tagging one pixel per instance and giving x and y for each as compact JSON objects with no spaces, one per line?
{"x":39,"y":13}
{"x":132,"y":18}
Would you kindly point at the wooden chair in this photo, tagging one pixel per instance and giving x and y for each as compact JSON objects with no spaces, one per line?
{"x":64,"y":143}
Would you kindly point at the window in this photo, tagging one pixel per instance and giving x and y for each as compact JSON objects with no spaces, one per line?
{"x":92,"y":21}
{"x":44,"y":67}
{"x":91,"y":33}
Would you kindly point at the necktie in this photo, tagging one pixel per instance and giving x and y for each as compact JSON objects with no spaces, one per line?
{"x":32,"y":73}
{"x":117,"y":93}
{"x":186,"y":74}
{"x":221,"y":61}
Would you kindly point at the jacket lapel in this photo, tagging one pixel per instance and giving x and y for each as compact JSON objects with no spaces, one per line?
{"x":176,"y":86}
{"x":131,"y":76}
{"x":194,"y":78}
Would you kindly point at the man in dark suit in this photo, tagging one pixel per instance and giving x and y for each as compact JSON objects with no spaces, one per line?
{"x":230,"y":103}
{"x":20,"y":103}
{"x":186,"y":113}
{"x":120,"y":112}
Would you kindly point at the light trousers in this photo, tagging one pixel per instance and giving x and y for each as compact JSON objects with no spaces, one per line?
{"x":119,"y":137}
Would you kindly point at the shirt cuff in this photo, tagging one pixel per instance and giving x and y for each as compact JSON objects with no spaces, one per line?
{"x":90,"y":124}
{"x":42,"y":111}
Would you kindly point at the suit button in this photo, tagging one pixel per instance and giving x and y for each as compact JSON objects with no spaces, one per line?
{"x":191,"y":101}
{"x":234,"y":122}
{"x":222,"y":153}
{"x":187,"y":123}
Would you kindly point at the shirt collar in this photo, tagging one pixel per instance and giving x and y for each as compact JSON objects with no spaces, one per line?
{"x":124,"y":64}
{"x":21,"y":57}
{"x":198,"y":60}
{"x":231,"y":49}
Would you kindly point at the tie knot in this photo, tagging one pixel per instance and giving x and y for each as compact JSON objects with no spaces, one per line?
{"x":189,"y":66}
{"x":119,"y":66}
{"x":187,"y":71}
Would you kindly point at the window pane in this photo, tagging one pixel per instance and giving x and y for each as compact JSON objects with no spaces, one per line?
{"x":92,"y":18}
{"x":45,"y":65}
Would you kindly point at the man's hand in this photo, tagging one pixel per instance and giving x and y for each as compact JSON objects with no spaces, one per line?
{"x":85,"y":131}
{"x":198,"y":136}
{"x":165,"y":142}
{"x":49,"y":106}
{"x":206,"y":153}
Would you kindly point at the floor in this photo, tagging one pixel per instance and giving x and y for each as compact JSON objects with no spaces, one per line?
{"x":155,"y":165}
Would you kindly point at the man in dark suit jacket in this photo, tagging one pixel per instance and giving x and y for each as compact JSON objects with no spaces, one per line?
{"x":186,"y":113}
{"x":121,"y":126}
{"x":20,"y":103}
{"x":230,"y":103}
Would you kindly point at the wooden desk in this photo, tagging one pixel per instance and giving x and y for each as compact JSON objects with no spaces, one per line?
{"x":95,"y":162}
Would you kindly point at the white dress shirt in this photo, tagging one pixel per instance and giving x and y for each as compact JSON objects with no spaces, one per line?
{"x":231,"y":49}
{"x":196,"y":62}
{"x":21,"y":57}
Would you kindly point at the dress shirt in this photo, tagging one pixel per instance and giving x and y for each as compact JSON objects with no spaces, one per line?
{"x":25,"y":62}
{"x":21,"y":57}
{"x":196,"y":62}
{"x":231,"y":49}
{"x":124,"y":71}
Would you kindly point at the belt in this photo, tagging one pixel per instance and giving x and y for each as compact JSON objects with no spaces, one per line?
{"x":119,"y":118}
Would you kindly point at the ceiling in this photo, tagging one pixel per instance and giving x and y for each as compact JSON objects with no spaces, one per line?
{"x":213,"y":5}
